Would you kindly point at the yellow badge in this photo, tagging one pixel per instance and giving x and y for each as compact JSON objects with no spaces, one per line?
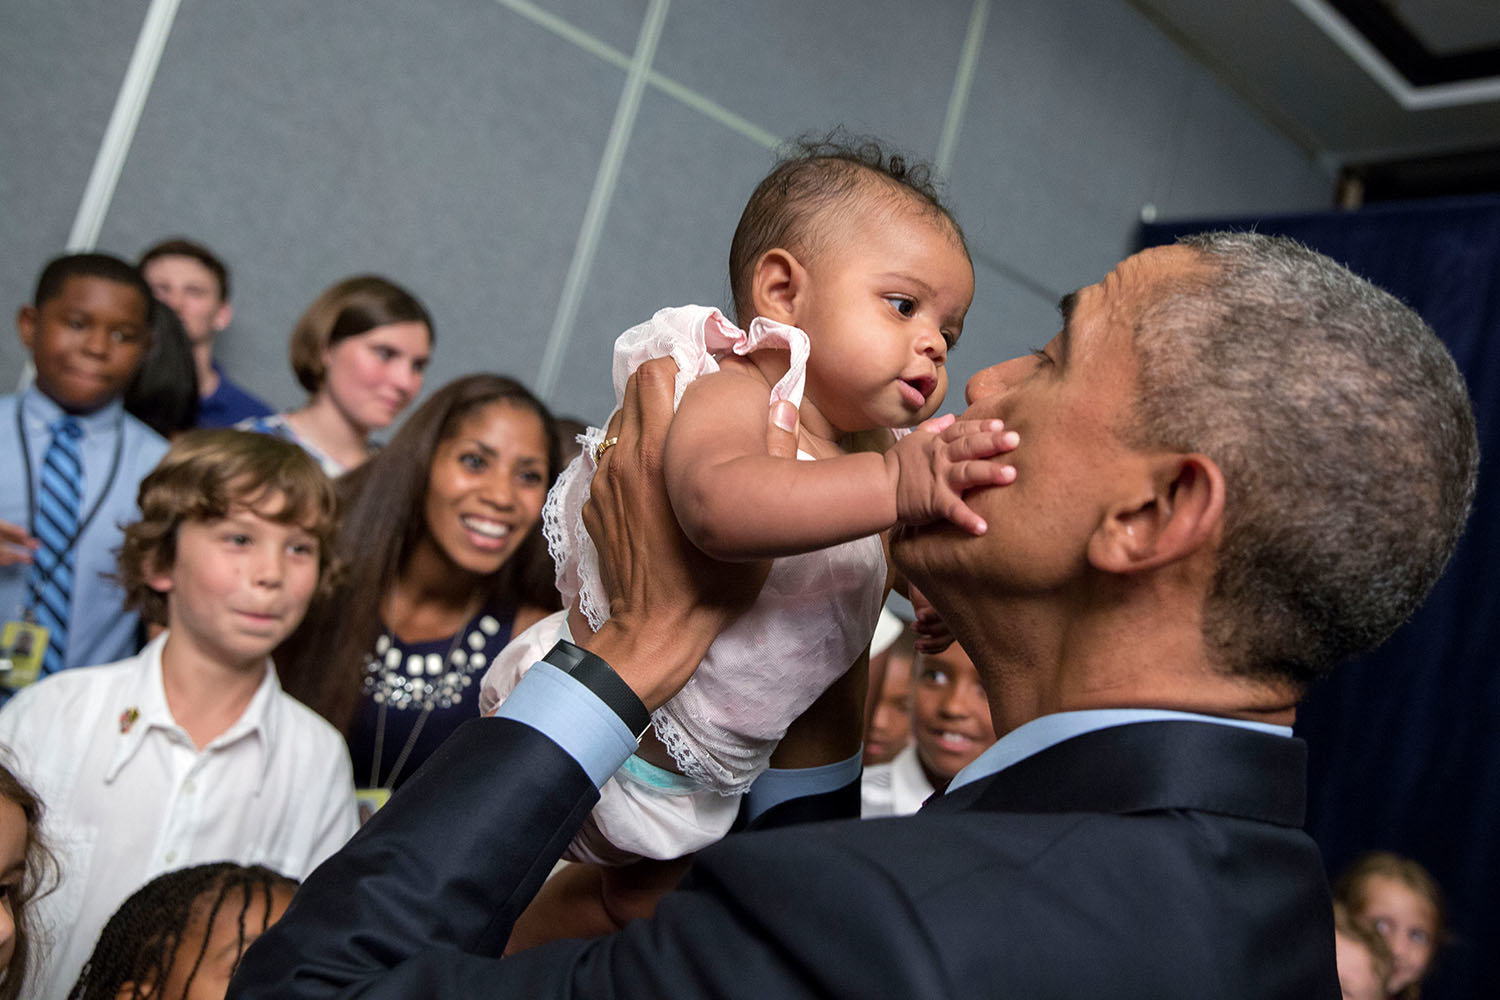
{"x":22,"y":646}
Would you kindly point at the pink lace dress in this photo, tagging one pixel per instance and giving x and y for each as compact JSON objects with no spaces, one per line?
{"x":814,"y":617}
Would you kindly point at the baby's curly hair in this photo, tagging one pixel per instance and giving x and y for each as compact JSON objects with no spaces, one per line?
{"x":206,"y":475}
{"x":812,"y":181}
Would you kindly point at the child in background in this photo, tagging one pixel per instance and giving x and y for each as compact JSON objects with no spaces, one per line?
{"x":1363,"y":959}
{"x":190,"y":751}
{"x":360,"y":350}
{"x":1400,"y":900}
{"x":950,"y":727}
{"x":192,"y":280}
{"x":73,"y":459}
{"x":854,"y":281}
{"x":24,"y":860}
{"x":888,"y":695}
{"x":163,"y":395}
{"x":180,"y":936}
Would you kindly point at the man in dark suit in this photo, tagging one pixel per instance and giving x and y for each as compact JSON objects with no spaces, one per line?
{"x":1239,"y":464}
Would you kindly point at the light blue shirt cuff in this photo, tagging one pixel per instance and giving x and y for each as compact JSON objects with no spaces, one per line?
{"x":570,"y":715}
{"x":778,"y":785}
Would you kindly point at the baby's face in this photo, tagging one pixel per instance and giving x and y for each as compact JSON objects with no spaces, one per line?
{"x":885,"y":300}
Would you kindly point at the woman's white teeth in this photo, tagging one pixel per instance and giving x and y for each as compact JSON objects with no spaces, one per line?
{"x":489,"y":529}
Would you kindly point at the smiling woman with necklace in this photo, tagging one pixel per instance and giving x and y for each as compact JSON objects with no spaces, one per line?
{"x":442,"y":541}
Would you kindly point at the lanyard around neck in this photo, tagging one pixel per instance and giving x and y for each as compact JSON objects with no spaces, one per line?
{"x":40,"y":582}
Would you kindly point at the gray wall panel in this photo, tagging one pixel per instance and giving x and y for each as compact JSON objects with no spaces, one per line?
{"x":616,"y":23}
{"x":1072,"y":107}
{"x":455,"y":146}
{"x":1226,"y":161}
{"x":666,"y":241}
{"x":793,"y":65}
{"x":60,"y":67}
{"x":452,"y":153}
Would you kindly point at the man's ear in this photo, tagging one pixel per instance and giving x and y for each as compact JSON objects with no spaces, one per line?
{"x":1181,"y":515}
{"x":777,"y":285}
{"x":26,"y":318}
{"x":222,"y":316}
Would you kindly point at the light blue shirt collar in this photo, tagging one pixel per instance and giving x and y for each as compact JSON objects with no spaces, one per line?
{"x":1049,"y":730}
{"x":41,"y":410}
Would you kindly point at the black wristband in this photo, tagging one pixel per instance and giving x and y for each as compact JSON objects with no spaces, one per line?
{"x":600,"y":678}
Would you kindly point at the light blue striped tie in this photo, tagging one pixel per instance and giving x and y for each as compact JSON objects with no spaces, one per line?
{"x":56,"y":527}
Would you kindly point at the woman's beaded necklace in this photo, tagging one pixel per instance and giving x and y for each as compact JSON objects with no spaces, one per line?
{"x":428,"y":681}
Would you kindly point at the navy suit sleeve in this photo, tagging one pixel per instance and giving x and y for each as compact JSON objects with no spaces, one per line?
{"x":445,"y":866}
{"x":422,"y":900}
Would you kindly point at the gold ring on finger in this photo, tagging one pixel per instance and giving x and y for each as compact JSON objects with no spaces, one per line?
{"x":603,"y":446}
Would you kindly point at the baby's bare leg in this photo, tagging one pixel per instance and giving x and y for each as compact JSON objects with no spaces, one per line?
{"x":570,"y":904}
{"x":588,"y":900}
{"x":832,"y":728}
{"x":654,"y":751}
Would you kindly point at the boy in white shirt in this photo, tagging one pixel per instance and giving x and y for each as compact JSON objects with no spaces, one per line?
{"x":950,"y":727}
{"x":190,"y":752}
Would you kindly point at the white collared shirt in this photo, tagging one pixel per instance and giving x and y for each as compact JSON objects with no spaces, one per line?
{"x":127,"y":796}
{"x":895,"y":789}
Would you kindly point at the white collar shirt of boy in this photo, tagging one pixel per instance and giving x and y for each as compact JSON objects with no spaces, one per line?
{"x":895,"y":789}
{"x":129,"y":796}
{"x":106,"y":631}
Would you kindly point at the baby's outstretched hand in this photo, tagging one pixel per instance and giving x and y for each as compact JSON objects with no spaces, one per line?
{"x":935,"y":464}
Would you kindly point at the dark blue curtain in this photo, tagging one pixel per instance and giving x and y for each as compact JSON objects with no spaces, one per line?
{"x":1405,"y":743}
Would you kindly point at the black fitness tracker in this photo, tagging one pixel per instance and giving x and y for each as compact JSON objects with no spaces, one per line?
{"x":600,"y":678}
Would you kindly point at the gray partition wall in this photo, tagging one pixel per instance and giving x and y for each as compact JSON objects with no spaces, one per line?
{"x":546,"y":173}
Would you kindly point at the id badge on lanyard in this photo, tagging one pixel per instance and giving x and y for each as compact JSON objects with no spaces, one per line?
{"x":23,"y":643}
{"x":23,"y":640}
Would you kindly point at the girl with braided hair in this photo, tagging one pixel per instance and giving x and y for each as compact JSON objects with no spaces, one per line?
{"x":181,"y":935}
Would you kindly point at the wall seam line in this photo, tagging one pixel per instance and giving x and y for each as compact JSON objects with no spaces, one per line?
{"x":599,"y":199}
{"x":99,"y":191}
{"x":963,"y":84}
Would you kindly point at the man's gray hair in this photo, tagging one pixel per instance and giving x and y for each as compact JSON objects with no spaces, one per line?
{"x":1345,"y":435}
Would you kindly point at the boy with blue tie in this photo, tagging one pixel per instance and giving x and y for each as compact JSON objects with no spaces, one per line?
{"x":73,"y":460}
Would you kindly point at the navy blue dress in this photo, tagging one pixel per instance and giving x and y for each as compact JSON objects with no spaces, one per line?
{"x":416,"y":694}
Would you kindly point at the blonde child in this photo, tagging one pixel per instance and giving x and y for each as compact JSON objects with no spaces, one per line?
{"x":190,"y":751}
{"x":1398,"y":899}
{"x":853,"y":281}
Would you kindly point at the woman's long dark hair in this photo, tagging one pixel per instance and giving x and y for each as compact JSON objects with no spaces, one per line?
{"x":163,"y":392}
{"x":383,"y":501}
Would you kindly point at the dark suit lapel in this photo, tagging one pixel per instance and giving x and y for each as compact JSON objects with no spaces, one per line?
{"x":1149,"y":766}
